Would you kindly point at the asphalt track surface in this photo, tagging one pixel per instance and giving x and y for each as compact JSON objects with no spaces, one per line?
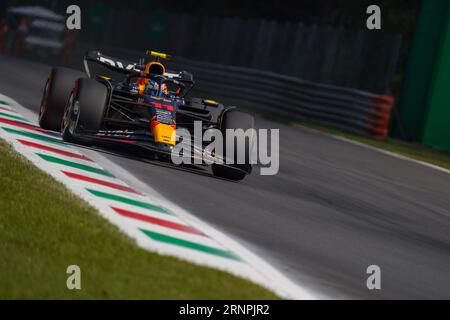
{"x":333,"y":209}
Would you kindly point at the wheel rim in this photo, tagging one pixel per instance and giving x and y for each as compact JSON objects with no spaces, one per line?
{"x":67,"y":117}
{"x":44,"y":100}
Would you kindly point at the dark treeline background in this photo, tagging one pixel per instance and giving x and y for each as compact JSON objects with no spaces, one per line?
{"x":398,"y":15}
{"x":319,"y":40}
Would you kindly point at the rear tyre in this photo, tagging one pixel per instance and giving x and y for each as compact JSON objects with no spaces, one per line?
{"x":233,"y":119}
{"x":84,"y":111}
{"x":54,"y":98}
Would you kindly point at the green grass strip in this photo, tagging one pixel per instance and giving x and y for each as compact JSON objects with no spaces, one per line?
{"x":190,"y":245}
{"x":74,"y":165}
{"x":33,"y":135}
{"x":44,"y":228}
{"x":132,"y":202}
{"x":13,"y":117}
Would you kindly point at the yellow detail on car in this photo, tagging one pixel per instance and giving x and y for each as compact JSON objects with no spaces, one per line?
{"x":164,"y":133}
{"x":158,"y":55}
{"x":210,"y":102}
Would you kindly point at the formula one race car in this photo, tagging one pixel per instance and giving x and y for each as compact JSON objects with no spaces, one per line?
{"x":144,"y":108}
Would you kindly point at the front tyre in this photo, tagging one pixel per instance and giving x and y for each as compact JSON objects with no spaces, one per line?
{"x":233,"y":119}
{"x":54,"y":98}
{"x":84,"y":111}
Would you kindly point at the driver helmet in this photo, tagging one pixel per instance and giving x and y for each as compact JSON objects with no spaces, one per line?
{"x":151,"y":88}
{"x":164,"y":90}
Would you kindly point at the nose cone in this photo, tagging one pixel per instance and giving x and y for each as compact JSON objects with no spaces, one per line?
{"x":164,"y":133}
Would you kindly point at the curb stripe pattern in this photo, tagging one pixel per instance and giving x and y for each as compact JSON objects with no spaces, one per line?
{"x":22,"y":125}
{"x":12,"y":117}
{"x":34,"y":136}
{"x":132,"y":202}
{"x":160,"y":222}
{"x":100,"y":182}
{"x":192,"y":245}
{"x":74,"y":165}
{"x":53,"y":150}
{"x":153,"y":225}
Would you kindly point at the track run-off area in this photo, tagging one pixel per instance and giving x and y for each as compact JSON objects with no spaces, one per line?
{"x":334,"y":208}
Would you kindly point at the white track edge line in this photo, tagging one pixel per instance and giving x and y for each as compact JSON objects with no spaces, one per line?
{"x":379,"y":150}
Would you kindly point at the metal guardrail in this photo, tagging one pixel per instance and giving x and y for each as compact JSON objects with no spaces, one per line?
{"x":359,"y":59}
{"x":352,"y":110}
{"x":349,"y":109}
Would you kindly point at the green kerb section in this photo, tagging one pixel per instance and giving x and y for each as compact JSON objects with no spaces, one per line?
{"x":74,"y":165}
{"x":190,"y":245}
{"x":33,"y":135}
{"x":4,"y":103}
{"x":132,"y":202}
{"x":13,"y":117}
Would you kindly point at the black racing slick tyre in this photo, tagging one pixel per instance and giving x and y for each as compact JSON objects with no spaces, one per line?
{"x":233,"y":119}
{"x":84,"y":112}
{"x":55,"y":95}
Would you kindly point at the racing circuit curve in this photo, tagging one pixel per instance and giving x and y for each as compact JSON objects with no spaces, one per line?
{"x":334,"y":208}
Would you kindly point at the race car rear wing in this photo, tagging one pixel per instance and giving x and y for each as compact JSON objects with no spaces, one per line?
{"x":111,"y":63}
{"x":125,"y":66}
{"x":133,"y":69}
